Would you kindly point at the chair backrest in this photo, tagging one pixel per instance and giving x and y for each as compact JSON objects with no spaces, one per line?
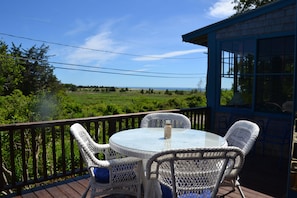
{"x":159,"y":119}
{"x":242,"y":134}
{"x":194,"y":172}
{"x":86,"y":144}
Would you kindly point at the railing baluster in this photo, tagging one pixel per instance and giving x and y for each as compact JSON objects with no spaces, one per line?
{"x":72,"y":154}
{"x":33,"y":136}
{"x":97,"y":130}
{"x":63,"y":148}
{"x":12,"y":158}
{"x":54,"y":151}
{"x":24,"y":164}
{"x":44,"y":158}
{"x":103,"y":131}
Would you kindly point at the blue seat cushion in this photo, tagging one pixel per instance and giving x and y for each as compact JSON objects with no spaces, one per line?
{"x":101,"y":175}
{"x":167,"y":193}
{"x":193,"y":195}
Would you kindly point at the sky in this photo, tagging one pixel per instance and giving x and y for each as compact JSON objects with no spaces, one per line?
{"x":121,"y":43}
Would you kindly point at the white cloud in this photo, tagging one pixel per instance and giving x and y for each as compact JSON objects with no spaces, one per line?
{"x":222,"y":9}
{"x":96,"y":49}
{"x":168,"y":55}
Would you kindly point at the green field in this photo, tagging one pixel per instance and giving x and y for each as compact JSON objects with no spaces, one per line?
{"x":100,"y":102}
{"x":90,"y":102}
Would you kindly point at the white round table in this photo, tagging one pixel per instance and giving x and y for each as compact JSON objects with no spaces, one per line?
{"x":145,"y":142}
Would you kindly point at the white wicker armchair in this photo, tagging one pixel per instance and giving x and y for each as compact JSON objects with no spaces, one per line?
{"x":194,"y":172}
{"x":114,"y":175}
{"x":159,"y":119}
{"x":241,"y":134}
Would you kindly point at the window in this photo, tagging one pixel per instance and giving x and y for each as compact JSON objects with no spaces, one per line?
{"x":275,"y":74}
{"x":237,"y":73}
{"x":263,"y":86}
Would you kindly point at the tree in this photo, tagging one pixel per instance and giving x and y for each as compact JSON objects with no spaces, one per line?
{"x":10,"y":71}
{"x":245,"y":5}
{"x":38,"y":73}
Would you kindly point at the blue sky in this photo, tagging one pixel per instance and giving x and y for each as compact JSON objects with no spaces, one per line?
{"x":131,"y":43}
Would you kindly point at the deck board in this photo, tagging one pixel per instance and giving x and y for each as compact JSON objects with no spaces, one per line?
{"x":69,"y":190}
{"x":42,"y":193}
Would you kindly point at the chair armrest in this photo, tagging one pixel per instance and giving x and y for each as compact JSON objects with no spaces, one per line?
{"x":107,"y":151}
{"x":107,"y":163}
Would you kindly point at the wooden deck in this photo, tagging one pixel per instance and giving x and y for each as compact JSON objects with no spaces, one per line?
{"x":74,"y":188}
{"x":267,"y":179}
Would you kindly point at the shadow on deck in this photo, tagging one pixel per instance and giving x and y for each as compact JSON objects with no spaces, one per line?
{"x":265,"y":174}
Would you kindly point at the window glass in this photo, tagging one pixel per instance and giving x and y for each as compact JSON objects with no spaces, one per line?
{"x":274,"y":75}
{"x":237,"y":71}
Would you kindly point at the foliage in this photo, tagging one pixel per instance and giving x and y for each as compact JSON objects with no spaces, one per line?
{"x":27,"y":70}
{"x":245,"y":5}
{"x":226,"y":96}
{"x":10,"y":71}
{"x":196,"y":100}
{"x":15,"y":108}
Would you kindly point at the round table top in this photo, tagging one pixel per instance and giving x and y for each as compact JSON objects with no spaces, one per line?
{"x":145,"y":142}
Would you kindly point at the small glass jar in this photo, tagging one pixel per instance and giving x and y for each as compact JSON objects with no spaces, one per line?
{"x":167,"y":129}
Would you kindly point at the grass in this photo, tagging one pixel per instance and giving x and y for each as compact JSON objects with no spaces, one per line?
{"x":121,"y":98}
{"x":96,"y":103}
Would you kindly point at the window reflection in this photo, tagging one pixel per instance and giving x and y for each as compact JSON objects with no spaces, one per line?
{"x":265,"y":86}
{"x":237,"y":70}
{"x":275,"y":66}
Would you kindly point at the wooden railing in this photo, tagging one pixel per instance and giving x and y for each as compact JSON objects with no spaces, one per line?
{"x":35,"y":153}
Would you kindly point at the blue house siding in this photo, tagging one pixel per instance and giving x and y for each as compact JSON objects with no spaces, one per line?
{"x":280,"y":21}
{"x":199,"y":36}
{"x":275,"y":20}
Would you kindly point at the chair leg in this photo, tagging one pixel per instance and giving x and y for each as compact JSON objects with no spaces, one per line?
{"x":231,"y":191}
{"x":240,"y":191}
{"x":86,"y":192}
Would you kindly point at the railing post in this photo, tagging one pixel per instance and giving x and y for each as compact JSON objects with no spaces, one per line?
{"x":207,"y":119}
{"x":112,"y":123}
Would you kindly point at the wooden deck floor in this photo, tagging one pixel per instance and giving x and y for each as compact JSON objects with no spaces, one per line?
{"x":74,"y":188}
{"x":261,"y":177}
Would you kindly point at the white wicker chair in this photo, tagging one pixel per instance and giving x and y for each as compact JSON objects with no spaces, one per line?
{"x":241,"y":134}
{"x":114,"y":175}
{"x":158,"y":120}
{"x":193,"y":172}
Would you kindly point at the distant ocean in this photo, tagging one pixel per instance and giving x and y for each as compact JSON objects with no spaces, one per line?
{"x":165,"y":88}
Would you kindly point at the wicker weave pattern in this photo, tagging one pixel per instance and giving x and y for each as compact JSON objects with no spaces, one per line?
{"x":158,"y":120}
{"x":124,"y":172}
{"x":241,"y":134}
{"x":191,"y":172}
